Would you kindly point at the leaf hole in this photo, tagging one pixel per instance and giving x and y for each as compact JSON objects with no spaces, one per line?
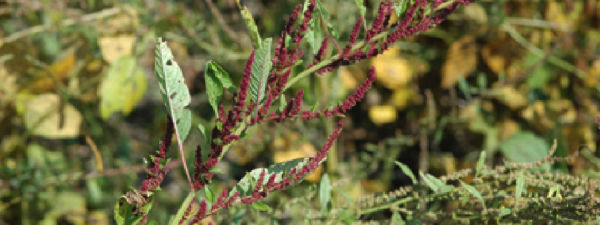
{"x":169,"y":62}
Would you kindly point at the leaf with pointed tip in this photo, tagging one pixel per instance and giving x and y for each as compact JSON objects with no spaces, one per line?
{"x":216,"y":79}
{"x":400,"y":6}
{"x":260,"y":71}
{"x":473,"y":191}
{"x":361,"y":7}
{"x":520,"y":186}
{"x":324,"y":192}
{"x":406,"y":170}
{"x":251,"y":26}
{"x":435,"y":184}
{"x":261,"y":207}
{"x":480,"y":163}
{"x":175,"y":93}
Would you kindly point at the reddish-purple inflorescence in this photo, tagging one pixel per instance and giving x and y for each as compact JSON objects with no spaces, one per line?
{"x":156,"y":173}
{"x":380,"y":36}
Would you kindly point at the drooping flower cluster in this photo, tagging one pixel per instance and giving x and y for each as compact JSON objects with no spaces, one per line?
{"x":379,"y":37}
{"x":156,"y":173}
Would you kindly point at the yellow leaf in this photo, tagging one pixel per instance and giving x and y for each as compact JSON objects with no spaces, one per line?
{"x":391,"y":70}
{"x":113,"y":48}
{"x":60,"y":70}
{"x":461,"y":61}
{"x":9,"y":87}
{"x":305,"y":150}
{"x":382,"y":114}
{"x":507,"y":128}
{"x":402,"y":97}
{"x":42,"y":116}
{"x":373,"y":186}
{"x":511,"y":97}
{"x":122,"y":87}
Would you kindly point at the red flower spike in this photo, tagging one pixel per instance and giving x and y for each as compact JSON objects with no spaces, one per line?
{"x":353,"y":37}
{"x":259,"y":182}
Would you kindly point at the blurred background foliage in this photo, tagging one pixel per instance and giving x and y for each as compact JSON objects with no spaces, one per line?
{"x":80,"y":109}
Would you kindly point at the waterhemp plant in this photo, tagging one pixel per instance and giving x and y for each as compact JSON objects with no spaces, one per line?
{"x":267,"y":76}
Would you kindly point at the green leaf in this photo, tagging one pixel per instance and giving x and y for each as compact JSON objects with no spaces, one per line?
{"x":260,"y":71}
{"x":520,"y":186}
{"x":210,"y":195}
{"x":473,"y":191}
{"x":216,"y":79}
{"x":129,"y":209}
{"x":480,"y":163}
{"x":186,"y":202}
{"x":397,"y":219}
{"x":122,"y":87}
{"x":406,"y":170}
{"x":261,"y":207}
{"x":206,"y":140}
{"x":247,"y":183}
{"x":282,"y":104}
{"x":361,"y":7}
{"x":175,"y":93}
{"x":315,"y":34}
{"x":463,"y":86}
{"x":541,"y":75}
{"x":400,"y":6}
{"x":324,"y":192}
{"x":435,"y":184}
{"x":251,"y":26}
{"x":524,"y":147}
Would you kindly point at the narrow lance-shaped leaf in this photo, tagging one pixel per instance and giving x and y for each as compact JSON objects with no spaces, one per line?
{"x":324,"y":192}
{"x":480,"y":163}
{"x":260,"y":71}
{"x":175,"y":94}
{"x":520,"y":186}
{"x":261,"y":207}
{"x":473,"y":191}
{"x":361,"y":7}
{"x":400,"y":6}
{"x":406,"y":170}
{"x":251,"y":26}
{"x":216,"y":79}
